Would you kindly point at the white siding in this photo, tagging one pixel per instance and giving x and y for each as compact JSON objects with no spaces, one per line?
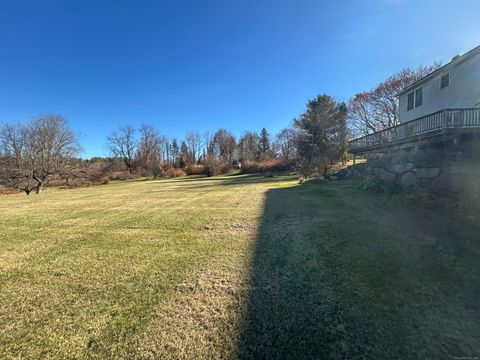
{"x":463,"y":91}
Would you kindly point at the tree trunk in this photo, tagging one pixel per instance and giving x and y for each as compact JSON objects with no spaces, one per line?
{"x":39,"y":188}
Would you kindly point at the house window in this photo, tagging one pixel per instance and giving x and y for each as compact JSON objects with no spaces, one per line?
{"x":411,"y":100}
{"x":419,"y":97}
{"x":444,"y":81}
{"x":415,"y":99}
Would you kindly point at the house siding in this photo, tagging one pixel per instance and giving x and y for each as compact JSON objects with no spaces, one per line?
{"x":463,"y":91}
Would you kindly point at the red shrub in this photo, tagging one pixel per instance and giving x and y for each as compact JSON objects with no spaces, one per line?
{"x":172,"y":172}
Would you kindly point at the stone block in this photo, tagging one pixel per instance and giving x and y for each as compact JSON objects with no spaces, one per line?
{"x":377,"y":162}
{"x":435,"y":159}
{"x":408,"y":179}
{"x":464,"y":167}
{"x":401,"y":158}
{"x":447,"y":184}
{"x":402,"y":167}
{"x":427,"y":173}
{"x":384,"y":175}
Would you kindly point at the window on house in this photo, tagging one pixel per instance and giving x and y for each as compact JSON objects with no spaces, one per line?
{"x":444,"y":81}
{"x":419,"y":97}
{"x":410,"y":101}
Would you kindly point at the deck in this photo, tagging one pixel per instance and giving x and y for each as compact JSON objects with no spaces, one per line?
{"x":439,"y":123}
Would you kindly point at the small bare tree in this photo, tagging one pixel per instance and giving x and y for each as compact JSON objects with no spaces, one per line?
{"x":123,"y":145}
{"x":34,"y":153}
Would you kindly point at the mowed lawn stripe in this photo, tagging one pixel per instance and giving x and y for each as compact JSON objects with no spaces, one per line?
{"x":93,"y":286}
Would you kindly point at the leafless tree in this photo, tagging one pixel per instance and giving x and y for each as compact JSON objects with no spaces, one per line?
{"x":248,"y":146}
{"x":123,"y":145}
{"x":34,"y":153}
{"x":372,"y":111}
{"x":193,"y":139}
{"x":150,"y":150}
{"x":223,"y":146}
{"x":285,"y":144}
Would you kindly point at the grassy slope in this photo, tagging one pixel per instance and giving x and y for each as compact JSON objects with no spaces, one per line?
{"x":235,"y":266}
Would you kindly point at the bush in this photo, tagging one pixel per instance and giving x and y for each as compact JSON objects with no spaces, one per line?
{"x":121,"y":176}
{"x":212,"y":168}
{"x":215,"y":167}
{"x":265,"y":166}
{"x":172,"y":172}
{"x":195,"y":169}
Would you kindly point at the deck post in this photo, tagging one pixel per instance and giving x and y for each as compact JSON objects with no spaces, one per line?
{"x":354,"y":158}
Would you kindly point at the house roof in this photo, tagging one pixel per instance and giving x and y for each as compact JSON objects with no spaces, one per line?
{"x":455,"y":61}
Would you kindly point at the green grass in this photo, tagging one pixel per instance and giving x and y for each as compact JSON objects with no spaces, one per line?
{"x":235,"y":267}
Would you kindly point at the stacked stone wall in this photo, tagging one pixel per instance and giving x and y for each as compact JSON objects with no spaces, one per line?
{"x":436,"y":174}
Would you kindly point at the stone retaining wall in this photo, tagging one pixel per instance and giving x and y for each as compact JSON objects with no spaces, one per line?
{"x":438,"y":175}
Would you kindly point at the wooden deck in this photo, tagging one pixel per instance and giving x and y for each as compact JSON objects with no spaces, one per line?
{"x":448,"y":121}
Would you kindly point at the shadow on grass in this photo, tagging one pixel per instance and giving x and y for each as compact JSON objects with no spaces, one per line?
{"x":342,"y":274}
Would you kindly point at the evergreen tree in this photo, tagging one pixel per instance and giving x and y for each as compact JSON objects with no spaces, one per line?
{"x":264,"y":143}
{"x":174,"y":152}
{"x":184,"y":159}
{"x":321,"y":134}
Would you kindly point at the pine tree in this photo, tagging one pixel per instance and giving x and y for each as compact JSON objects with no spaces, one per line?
{"x":184,"y":158}
{"x":174,"y":152}
{"x":264,"y":143}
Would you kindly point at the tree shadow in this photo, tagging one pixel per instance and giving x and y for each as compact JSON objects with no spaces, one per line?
{"x":331,"y":279}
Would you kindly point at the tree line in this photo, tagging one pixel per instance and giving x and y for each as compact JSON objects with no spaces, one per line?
{"x":45,"y":150}
{"x":148,"y":152}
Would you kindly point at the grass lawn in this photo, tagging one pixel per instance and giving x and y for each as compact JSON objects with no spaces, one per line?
{"x":236,"y":267}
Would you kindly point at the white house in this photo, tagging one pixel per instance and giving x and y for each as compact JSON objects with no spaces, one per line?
{"x":439,"y":107}
{"x":453,"y":86}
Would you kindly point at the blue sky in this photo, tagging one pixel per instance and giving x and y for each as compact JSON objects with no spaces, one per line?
{"x":182,"y":65}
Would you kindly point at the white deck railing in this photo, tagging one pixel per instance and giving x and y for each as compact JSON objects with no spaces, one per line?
{"x":448,"y":118}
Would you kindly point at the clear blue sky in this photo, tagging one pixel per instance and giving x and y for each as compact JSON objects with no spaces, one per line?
{"x":194,"y":64}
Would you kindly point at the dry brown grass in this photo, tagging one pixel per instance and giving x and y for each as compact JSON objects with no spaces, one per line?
{"x":235,"y":267}
{"x":203,"y":319}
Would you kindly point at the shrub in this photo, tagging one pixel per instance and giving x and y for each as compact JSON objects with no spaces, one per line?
{"x":195,"y":169}
{"x":215,"y":167}
{"x":265,"y":166}
{"x":172,"y":172}
{"x":121,"y":176}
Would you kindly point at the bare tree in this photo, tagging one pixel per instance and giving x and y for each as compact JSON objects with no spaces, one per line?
{"x":150,"y":149}
{"x":248,"y":146}
{"x":223,"y":146}
{"x":285,"y":143}
{"x":34,"y":153}
{"x":193,"y":140}
{"x":377,"y":109}
{"x":123,"y":145}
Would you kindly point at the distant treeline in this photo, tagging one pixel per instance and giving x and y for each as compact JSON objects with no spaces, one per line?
{"x":45,"y":150}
